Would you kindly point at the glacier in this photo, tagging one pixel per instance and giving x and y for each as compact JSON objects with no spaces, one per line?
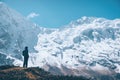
{"x":84,"y":46}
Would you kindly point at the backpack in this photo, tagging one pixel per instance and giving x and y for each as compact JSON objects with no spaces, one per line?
{"x":23,"y":53}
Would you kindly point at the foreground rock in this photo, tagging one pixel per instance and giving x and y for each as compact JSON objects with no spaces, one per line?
{"x":34,"y":73}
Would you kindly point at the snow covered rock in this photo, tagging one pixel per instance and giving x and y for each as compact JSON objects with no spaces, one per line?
{"x":16,"y":32}
{"x":88,"y":42}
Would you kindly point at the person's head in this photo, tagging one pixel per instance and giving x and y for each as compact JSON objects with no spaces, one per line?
{"x":26,"y":47}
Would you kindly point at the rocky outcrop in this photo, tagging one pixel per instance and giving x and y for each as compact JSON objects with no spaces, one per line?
{"x":34,"y":73}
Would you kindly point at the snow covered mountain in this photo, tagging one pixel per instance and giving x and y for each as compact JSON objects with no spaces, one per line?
{"x":87,"y":46}
{"x":16,"y":32}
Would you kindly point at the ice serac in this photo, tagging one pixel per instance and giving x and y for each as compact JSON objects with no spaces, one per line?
{"x":16,"y":32}
{"x":87,"y":45}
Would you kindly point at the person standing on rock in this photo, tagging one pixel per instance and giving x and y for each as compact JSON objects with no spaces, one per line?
{"x":26,"y":56}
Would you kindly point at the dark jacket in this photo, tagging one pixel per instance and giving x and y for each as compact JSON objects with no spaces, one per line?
{"x":25,"y":53}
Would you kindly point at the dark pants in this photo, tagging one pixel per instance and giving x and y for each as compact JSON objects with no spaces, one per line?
{"x":25,"y":64}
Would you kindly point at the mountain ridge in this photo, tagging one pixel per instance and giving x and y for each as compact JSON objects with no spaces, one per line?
{"x":93,"y":44}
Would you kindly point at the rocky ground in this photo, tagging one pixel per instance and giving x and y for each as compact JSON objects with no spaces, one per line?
{"x":34,"y":73}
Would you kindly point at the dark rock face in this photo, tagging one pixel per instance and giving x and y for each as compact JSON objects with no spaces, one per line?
{"x":17,"y":73}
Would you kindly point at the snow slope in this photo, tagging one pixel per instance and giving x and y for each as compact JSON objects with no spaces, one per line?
{"x":90,"y":43}
{"x":16,"y":32}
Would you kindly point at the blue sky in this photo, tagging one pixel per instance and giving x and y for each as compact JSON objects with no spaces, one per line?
{"x":57,"y":13}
